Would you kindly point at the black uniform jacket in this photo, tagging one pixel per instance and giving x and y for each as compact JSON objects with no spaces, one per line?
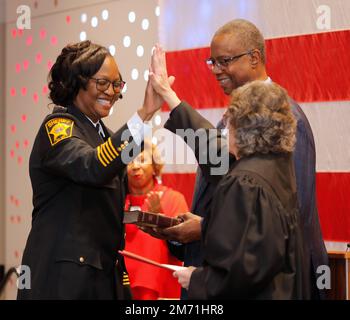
{"x":78,"y":198}
{"x":252,"y":239}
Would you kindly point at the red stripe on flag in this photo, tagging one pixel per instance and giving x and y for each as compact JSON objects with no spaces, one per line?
{"x":334,"y":205}
{"x":194,"y":82}
{"x":311,"y":67}
{"x":332,"y":197}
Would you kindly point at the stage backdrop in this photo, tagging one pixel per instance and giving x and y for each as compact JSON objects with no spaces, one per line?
{"x":129,"y":28}
{"x":306,"y":52}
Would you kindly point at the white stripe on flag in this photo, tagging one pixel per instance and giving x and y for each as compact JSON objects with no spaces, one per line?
{"x":275,"y":18}
{"x":331,"y":128}
{"x":329,"y":122}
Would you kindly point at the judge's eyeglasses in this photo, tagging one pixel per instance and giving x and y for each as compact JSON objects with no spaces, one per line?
{"x":222,"y":63}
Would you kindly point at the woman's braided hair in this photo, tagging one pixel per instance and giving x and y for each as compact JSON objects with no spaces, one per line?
{"x":73,"y":67}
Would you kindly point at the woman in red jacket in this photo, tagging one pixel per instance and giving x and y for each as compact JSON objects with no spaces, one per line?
{"x":146,"y":193}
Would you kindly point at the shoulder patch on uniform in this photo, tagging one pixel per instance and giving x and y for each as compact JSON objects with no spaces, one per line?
{"x":59,"y":129}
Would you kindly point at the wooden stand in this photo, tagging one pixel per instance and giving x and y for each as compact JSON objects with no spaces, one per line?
{"x":340,"y":275}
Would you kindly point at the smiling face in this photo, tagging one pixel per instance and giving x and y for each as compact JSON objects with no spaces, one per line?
{"x":239,"y":71}
{"x":141,"y":173}
{"x":94,"y":103}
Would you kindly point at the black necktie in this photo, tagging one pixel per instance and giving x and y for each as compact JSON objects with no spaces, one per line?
{"x":100,"y":130}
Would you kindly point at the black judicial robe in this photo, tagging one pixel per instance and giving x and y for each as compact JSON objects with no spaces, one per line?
{"x":184,"y":117}
{"x":252,"y":240}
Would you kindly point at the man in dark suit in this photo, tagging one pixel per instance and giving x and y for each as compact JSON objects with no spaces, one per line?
{"x":238,"y":57}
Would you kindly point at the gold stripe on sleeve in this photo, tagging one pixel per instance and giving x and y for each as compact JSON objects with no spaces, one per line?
{"x":99,"y":156}
{"x":103,"y":156}
{"x":109,"y":151}
{"x":112,"y":147}
{"x":105,"y":152}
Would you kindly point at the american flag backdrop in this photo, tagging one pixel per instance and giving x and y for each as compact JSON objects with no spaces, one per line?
{"x":307,"y":46}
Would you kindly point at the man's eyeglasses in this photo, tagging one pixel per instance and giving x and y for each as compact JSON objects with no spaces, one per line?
{"x":223,"y":63}
{"x":103,"y":85}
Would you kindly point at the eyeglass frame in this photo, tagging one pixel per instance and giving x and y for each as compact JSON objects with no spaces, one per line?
{"x":118,"y":88}
{"x":211,"y":62}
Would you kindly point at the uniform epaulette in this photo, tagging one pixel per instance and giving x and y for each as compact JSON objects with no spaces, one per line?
{"x":59,"y":109}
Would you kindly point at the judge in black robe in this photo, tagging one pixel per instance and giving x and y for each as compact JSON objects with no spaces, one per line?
{"x":252,"y":241}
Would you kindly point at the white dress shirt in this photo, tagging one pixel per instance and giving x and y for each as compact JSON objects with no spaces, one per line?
{"x":139,"y":129}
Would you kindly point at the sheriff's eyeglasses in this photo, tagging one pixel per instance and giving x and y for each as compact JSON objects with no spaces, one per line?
{"x":103,"y":85}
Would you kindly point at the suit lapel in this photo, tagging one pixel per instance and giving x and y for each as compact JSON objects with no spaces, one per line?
{"x":200,"y":187}
{"x":202,"y":184}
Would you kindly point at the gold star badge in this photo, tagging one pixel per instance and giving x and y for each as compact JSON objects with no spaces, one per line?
{"x":59,"y":129}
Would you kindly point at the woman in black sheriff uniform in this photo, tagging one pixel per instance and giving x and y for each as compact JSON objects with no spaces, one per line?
{"x":77,"y":168}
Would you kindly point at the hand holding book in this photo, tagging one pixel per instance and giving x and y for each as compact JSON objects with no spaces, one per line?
{"x":189,"y":229}
{"x":150,"y":219}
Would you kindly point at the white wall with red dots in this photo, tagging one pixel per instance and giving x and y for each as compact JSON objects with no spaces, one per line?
{"x":2,"y":130}
{"x":129,"y":28}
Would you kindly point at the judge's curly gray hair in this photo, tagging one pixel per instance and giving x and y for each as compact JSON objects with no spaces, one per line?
{"x":261,"y":117}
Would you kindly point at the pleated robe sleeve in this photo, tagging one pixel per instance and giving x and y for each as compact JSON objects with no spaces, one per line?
{"x":244,"y":243}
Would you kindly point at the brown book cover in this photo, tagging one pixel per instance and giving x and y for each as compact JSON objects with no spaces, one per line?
{"x":149,"y":219}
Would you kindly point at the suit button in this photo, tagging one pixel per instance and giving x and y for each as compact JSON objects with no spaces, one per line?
{"x":81,"y":259}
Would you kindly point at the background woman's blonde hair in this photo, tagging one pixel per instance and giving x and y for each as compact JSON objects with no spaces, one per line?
{"x":261,"y":116}
{"x":157,"y":161}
